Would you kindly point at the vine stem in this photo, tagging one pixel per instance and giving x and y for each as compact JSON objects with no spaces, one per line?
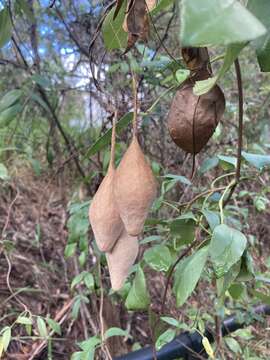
{"x":135,"y":102}
{"x":240,"y":129}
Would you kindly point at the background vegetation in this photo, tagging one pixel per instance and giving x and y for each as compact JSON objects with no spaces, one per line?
{"x":62,"y":77}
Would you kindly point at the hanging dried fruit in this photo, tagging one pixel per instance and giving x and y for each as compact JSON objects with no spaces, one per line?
{"x":103,"y":212}
{"x":121,"y":258}
{"x":193,"y":119}
{"x":135,"y":184}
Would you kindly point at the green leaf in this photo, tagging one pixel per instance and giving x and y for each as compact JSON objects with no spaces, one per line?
{"x":9,"y":114}
{"x":41,"y":80}
{"x":257,"y":160}
{"x":181,"y":75}
{"x":70,"y":250}
{"x":76,"y":308}
{"x":78,"y":355}
{"x":105,"y":140}
{"x":151,"y":238}
{"x":236,"y":290}
{"x":233,"y":345}
{"x":24,"y":320}
{"x":5,"y":27}
{"x":208,"y":164}
{"x":10,"y":99}
{"x":113,"y":33}
{"x":138,"y":297}
{"x":203,"y":86}
{"x":3,"y":172}
{"x":171,"y":321}
{"x":54,"y":325}
{"x":164,"y":338}
{"x":217,"y":23}
{"x":187,"y":275}
{"x":77,"y":279}
{"x":226,"y":248}
{"x":162,"y":4}
{"x":42,"y":329}
{"x":115,"y":331}
{"x":212,"y":218}
{"x":224,"y":282}
{"x":6,"y":337}
{"x":179,"y":178}
{"x":183,"y":230}
{"x":261,"y":9}
{"x":158,"y":258}
{"x":228,"y":160}
{"x":89,"y":281}
{"x":38,"y":100}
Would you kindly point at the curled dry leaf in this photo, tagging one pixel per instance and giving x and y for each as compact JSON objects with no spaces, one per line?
{"x":121,"y":258}
{"x":135,"y":188}
{"x":136,"y":22}
{"x":103,"y":212}
{"x":192,"y":120}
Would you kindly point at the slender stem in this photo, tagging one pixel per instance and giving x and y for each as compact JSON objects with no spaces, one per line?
{"x":240,"y":128}
{"x":135,"y":101}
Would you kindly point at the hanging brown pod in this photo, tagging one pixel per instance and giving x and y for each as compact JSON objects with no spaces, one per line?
{"x":121,"y":258}
{"x":103,"y":212}
{"x":135,"y":188}
{"x":193,"y":119}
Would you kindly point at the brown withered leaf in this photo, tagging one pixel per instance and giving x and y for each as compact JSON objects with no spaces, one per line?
{"x":136,"y":22}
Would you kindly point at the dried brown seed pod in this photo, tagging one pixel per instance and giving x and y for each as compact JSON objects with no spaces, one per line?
{"x":103,"y":212}
{"x":121,"y":258}
{"x":135,"y":188}
{"x":135,"y":184}
{"x":193,"y":119}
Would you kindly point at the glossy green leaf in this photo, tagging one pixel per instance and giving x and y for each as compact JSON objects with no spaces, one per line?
{"x":171,"y":321}
{"x":187,"y":275}
{"x":236,"y":290}
{"x":226,"y":248}
{"x":216,"y":22}
{"x":261,"y":9}
{"x":10,"y":99}
{"x":257,"y":160}
{"x":105,"y":140}
{"x":138,"y":297}
{"x":5,"y":27}
{"x":158,"y":257}
{"x":113,"y":33}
